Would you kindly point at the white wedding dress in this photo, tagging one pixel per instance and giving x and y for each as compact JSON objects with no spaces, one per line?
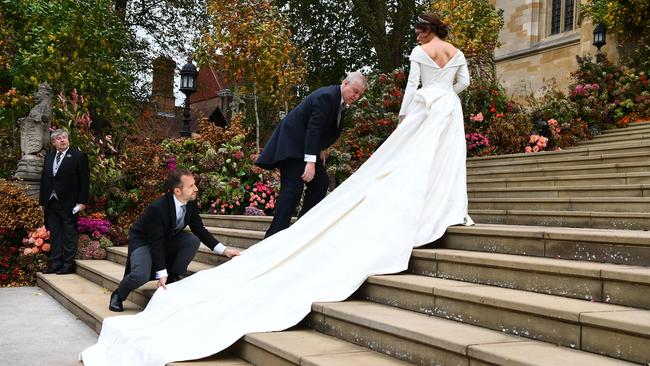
{"x":406,"y":195}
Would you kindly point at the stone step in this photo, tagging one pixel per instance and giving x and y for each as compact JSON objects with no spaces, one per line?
{"x":588,"y":242}
{"x":307,"y":348}
{"x":629,"y":247}
{"x":598,"y":204}
{"x":425,"y":340}
{"x":612,"y":330}
{"x":533,"y":172}
{"x":561,"y":180}
{"x":535,"y":164}
{"x":598,"y":282}
{"x":620,"y":190}
{"x":241,"y":222}
{"x":573,"y":154}
{"x":203,"y":255}
{"x":571,"y":219}
{"x":636,"y":127}
{"x":604,"y":139}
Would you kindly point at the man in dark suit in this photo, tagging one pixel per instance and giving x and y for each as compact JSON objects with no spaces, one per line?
{"x":63,"y":193}
{"x":298,"y":147}
{"x":158,"y":246}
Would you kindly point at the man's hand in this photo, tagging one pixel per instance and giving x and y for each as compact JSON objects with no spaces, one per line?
{"x":161,"y":282}
{"x":310,"y":171}
{"x":231,"y":252}
{"x":323,"y":155}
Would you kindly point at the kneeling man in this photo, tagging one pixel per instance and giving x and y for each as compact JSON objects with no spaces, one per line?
{"x":158,"y":246}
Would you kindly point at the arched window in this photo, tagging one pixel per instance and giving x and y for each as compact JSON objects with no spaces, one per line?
{"x":563,"y":14}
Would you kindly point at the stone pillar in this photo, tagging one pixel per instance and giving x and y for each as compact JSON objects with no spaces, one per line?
{"x":34,"y":138}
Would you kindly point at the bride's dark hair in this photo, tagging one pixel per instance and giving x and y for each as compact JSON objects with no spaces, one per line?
{"x":431,"y":22}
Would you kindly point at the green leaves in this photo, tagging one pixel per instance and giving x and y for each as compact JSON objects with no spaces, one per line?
{"x":72,"y":44}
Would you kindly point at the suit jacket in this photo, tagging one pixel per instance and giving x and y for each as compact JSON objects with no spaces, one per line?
{"x":71,"y":181}
{"x":157,"y":225}
{"x":308,"y":129}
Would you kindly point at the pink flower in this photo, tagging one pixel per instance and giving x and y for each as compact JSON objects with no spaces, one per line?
{"x":533,"y":139}
{"x":528,"y":149}
{"x":477,"y":118}
{"x":535,"y":148}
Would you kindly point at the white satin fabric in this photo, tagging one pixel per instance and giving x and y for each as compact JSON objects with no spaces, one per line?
{"x":406,"y":195}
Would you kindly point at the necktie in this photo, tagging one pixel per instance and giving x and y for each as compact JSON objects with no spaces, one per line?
{"x":180,"y":219}
{"x":341,"y":110}
{"x":58,"y":157}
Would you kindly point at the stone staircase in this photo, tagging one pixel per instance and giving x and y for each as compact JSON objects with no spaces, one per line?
{"x":601,"y":183}
{"x":533,"y":292}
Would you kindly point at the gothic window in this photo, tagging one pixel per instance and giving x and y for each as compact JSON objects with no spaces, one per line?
{"x":562,"y":15}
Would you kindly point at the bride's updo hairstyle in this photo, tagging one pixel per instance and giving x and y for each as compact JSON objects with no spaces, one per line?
{"x":431,"y":22}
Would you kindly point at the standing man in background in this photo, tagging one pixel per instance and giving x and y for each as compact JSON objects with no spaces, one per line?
{"x":63,"y":194}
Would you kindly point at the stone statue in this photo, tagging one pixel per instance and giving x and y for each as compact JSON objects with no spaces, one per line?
{"x":35,"y":135}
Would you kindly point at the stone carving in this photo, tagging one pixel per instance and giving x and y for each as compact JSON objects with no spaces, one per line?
{"x":35,"y":135}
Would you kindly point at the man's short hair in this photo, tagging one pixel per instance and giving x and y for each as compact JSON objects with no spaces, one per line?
{"x":58,"y":132}
{"x":174,"y":178}
{"x":358,"y":78}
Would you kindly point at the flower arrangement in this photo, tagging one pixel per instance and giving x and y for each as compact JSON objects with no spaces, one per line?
{"x":93,"y":246}
{"x":36,"y":242}
{"x":95,"y":222}
{"x":536,"y":143}
{"x":253,"y":211}
{"x":476,"y":142}
{"x":262,"y":196}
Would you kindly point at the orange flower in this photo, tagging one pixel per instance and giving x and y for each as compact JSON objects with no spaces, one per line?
{"x":45,"y":247}
{"x":35,"y":250}
{"x":39,"y":242}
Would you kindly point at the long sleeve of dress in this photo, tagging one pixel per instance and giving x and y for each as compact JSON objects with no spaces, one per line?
{"x":411,"y":87}
{"x":462,"y":79}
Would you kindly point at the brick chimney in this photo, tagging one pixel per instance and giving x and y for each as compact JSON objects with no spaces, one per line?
{"x":162,"y":89}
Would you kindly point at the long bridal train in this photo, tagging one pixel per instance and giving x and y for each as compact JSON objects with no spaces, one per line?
{"x":404,"y":196}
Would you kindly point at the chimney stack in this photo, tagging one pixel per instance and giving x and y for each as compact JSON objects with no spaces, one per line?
{"x":162,"y":89}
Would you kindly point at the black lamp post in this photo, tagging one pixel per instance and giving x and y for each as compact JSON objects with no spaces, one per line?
{"x":188,"y":86}
{"x":599,"y":35}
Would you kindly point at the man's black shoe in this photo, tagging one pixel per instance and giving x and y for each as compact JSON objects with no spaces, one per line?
{"x":51,"y":269}
{"x":174,"y":278}
{"x":66,"y":270}
{"x":116,"y":303}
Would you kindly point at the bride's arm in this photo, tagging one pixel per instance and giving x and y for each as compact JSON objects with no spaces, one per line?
{"x":411,"y":87}
{"x":462,"y":79}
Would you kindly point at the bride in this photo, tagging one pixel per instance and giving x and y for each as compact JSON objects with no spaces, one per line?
{"x":406,"y":195}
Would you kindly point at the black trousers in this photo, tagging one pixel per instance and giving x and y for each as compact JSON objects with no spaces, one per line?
{"x":178,"y":255}
{"x":291,"y":187}
{"x":63,"y":235}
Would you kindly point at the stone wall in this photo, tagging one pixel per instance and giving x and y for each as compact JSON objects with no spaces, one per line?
{"x":530,"y":59}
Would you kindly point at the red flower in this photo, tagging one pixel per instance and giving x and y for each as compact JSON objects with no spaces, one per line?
{"x":4,"y":277}
{"x":500,"y":115}
{"x":493,"y":109}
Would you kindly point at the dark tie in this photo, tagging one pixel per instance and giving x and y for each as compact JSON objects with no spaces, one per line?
{"x":341,"y":110}
{"x":58,"y":157}
{"x":180,"y":220}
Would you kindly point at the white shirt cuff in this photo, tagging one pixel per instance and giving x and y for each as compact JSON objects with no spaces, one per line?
{"x":310,"y":158}
{"x":160,"y":274}
{"x":219,"y":248}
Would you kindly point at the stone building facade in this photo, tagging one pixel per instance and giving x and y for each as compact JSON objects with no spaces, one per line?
{"x":539,"y":44}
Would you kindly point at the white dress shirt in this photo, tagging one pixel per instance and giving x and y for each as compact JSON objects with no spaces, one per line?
{"x":219,"y":248}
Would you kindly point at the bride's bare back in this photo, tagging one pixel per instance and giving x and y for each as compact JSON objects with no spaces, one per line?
{"x":441,"y":52}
